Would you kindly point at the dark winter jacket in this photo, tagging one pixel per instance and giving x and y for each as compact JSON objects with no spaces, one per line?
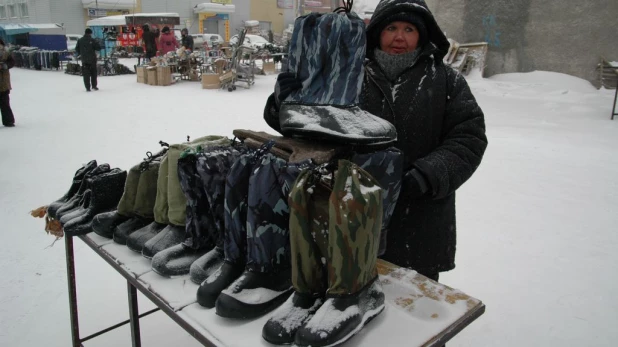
{"x":5,"y":75}
{"x":149,"y":39}
{"x":187,"y":42}
{"x":441,"y":131}
{"x":87,"y":48}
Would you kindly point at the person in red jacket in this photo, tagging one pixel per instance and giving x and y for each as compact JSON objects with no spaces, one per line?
{"x":167,"y":41}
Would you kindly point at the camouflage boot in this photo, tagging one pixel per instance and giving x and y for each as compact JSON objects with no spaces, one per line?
{"x":202,"y":179}
{"x":235,"y":235}
{"x":327,"y":53}
{"x":387,"y":168}
{"x":354,"y":295}
{"x":268,"y":250}
{"x":213,"y":167}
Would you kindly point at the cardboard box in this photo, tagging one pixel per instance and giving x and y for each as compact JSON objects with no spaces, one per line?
{"x":164,"y":75}
{"x":268,"y":67}
{"x":142,"y":76}
{"x":210,"y":81}
{"x":152,"y":76}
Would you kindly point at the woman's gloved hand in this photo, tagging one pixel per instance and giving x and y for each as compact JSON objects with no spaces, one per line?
{"x":286,"y":84}
{"x":415,"y":184}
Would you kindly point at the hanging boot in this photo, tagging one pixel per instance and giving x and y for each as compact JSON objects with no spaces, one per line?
{"x":125,"y":229}
{"x":340,"y":318}
{"x":106,"y":192}
{"x":206,"y":265}
{"x":138,"y":238}
{"x":74,"y":201}
{"x":281,"y":328}
{"x":80,"y":174}
{"x":171,"y":235}
{"x":211,"y":288}
{"x":253,"y":294}
{"x":104,"y":223}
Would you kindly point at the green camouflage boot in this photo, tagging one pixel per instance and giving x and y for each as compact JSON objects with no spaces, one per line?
{"x":175,"y":197}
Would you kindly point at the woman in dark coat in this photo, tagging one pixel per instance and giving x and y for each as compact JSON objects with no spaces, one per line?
{"x":440,"y":129}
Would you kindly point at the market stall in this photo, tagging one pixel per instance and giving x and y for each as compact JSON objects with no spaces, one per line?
{"x":124,"y":32}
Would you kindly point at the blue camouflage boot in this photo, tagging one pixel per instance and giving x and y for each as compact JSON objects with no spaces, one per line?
{"x":327,"y":53}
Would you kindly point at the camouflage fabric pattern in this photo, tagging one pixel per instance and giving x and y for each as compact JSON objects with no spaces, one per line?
{"x":212,"y":168}
{"x":324,"y":50}
{"x":235,"y":208}
{"x":387,"y":168}
{"x":175,"y":197}
{"x":334,"y":232}
{"x":199,"y":219}
{"x":268,"y":242}
{"x":235,"y":212}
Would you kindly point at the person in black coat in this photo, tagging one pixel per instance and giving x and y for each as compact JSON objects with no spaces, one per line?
{"x":149,"y":40}
{"x":440,"y":129}
{"x":86,"y":49}
{"x":6,"y":62}
{"x":187,"y":40}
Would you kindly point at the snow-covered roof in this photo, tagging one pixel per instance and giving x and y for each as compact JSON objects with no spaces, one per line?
{"x":122,"y":19}
{"x":107,"y":21}
{"x":19,"y":28}
{"x":110,"y":4}
{"x":216,"y":8}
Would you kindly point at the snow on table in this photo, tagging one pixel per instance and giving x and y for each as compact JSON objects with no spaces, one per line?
{"x":418,"y":310}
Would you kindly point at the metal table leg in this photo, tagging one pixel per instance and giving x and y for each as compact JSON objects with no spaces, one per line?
{"x":134,"y":315}
{"x":68,"y":243}
{"x":614,"y":112}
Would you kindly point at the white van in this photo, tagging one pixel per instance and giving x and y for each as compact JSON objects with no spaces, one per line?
{"x":211,"y":39}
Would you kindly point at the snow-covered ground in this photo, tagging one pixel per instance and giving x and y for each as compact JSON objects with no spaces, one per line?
{"x":537,"y":223}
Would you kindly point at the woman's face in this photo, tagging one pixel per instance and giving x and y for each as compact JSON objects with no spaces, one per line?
{"x":399,"y":37}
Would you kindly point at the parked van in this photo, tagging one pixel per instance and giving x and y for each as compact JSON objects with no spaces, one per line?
{"x":211,"y":39}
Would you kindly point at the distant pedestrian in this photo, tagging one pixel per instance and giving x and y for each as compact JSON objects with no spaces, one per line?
{"x":149,"y":40}
{"x":167,"y":41}
{"x":6,"y":63}
{"x":187,"y":40}
{"x":86,"y":49}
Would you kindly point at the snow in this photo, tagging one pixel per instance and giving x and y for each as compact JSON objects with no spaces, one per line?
{"x":536,"y":223}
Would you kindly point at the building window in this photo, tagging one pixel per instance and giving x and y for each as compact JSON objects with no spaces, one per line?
{"x":23,"y":8}
{"x":2,"y":11}
{"x":12,"y":8}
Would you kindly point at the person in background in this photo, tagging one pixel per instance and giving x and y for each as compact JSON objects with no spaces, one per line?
{"x":6,"y":63}
{"x":86,"y":50}
{"x":440,"y":129}
{"x":187,"y":40}
{"x":149,"y":40}
{"x":167,"y":41}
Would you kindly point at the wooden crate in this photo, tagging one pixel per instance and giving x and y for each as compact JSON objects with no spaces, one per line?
{"x":164,"y":75}
{"x":211,"y":81}
{"x":152,"y":76}
{"x":142,"y":76}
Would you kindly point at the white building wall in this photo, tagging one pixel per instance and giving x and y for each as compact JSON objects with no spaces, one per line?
{"x":69,"y":12}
